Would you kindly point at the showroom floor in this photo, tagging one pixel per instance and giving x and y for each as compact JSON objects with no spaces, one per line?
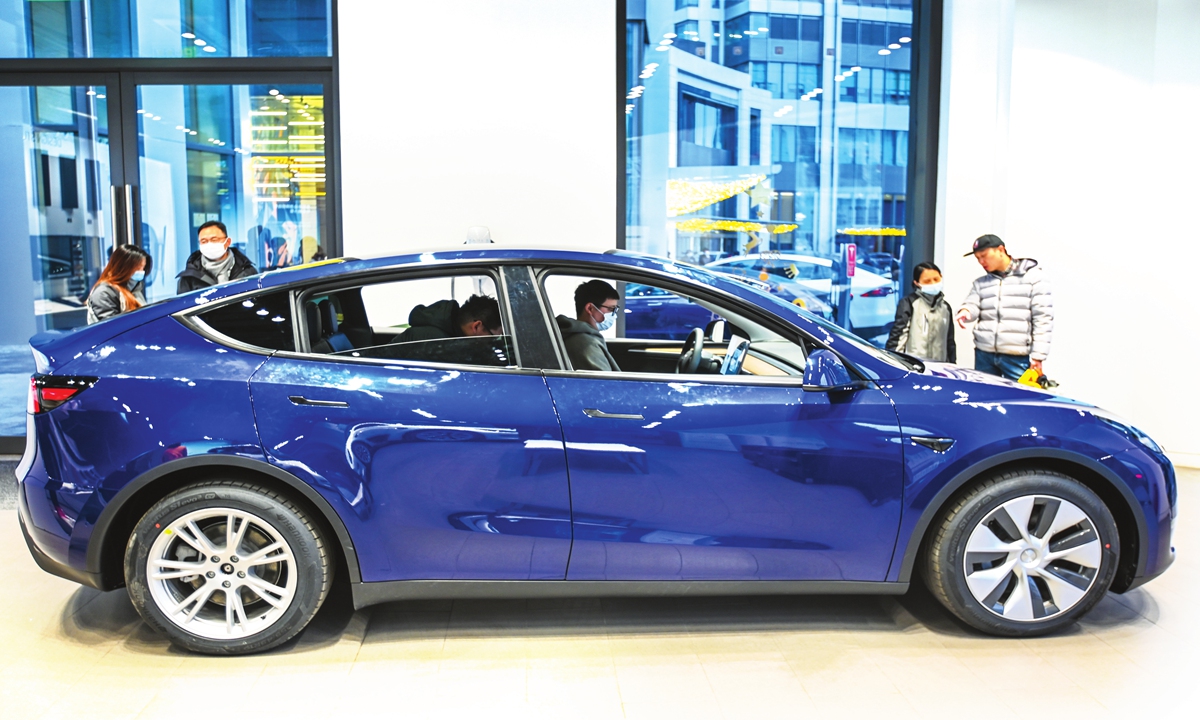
{"x":76,"y":653}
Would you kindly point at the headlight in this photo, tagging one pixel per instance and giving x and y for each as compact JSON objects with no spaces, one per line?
{"x":1134,"y":433}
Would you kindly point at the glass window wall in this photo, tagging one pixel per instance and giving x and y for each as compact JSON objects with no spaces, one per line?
{"x":801,"y":152}
{"x":250,"y":156}
{"x":164,"y":28}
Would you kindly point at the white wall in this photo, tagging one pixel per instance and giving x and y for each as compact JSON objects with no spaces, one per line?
{"x":1071,"y":131}
{"x":477,"y":112}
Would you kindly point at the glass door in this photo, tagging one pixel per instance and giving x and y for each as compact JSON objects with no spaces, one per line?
{"x":251,"y":157}
{"x":56,"y":191}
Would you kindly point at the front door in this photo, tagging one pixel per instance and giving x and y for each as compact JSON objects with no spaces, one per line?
{"x":724,"y":477}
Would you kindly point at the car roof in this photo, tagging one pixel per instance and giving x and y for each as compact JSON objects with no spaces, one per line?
{"x":470,"y":254}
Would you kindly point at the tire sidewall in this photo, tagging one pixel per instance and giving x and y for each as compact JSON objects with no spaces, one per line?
{"x":311,"y":571}
{"x":954,"y":543}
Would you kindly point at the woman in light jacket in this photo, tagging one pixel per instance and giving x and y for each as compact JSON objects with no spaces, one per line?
{"x":119,"y":288}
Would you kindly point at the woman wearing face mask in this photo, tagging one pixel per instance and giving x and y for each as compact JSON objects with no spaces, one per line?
{"x":924,"y":326}
{"x":119,"y":288}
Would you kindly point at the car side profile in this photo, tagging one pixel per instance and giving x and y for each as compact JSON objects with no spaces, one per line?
{"x":229,"y":454}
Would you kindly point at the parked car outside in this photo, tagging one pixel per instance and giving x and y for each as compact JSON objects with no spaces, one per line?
{"x":872,"y":307}
{"x":215,"y":455}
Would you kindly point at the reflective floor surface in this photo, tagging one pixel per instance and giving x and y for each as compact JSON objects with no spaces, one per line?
{"x":69,"y":652}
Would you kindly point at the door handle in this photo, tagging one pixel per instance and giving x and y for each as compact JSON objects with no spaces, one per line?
{"x":594,"y":413}
{"x":114,"y":213}
{"x":301,"y":400}
{"x":131,"y":236}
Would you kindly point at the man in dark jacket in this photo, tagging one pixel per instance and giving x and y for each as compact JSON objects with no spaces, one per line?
{"x":479,"y":315}
{"x":596,"y":305}
{"x":215,"y":262}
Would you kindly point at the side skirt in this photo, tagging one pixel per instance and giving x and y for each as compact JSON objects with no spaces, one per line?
{"x":373,"y":593}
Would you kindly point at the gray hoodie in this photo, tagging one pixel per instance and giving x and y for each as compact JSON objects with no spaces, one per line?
{"x":585,"y":346}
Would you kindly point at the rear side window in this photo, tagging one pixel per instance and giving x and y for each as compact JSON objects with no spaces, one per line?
{"x":263,"y":321}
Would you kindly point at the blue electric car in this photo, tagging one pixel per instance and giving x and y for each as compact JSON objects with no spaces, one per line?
{"x":225,"y":454}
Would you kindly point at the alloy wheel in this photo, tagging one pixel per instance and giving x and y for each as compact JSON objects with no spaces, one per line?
{"x":221,"y":573}
{"x":1032,"y":558}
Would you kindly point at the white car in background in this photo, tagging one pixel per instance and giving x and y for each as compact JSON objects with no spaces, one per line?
{"x":872,"y":307}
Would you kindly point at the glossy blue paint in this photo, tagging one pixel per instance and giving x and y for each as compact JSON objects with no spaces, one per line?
{"x":440,"y":473}
{"x":990,"y":418}
{"x":164,"y":393}
{"x":722,"y":479}
{"x":825,"y":370}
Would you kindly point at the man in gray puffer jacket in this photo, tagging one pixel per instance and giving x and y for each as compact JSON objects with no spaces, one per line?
{"x":1012,"y":309}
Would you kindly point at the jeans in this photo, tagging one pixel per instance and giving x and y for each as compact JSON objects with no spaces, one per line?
{"x":1009,"y":366}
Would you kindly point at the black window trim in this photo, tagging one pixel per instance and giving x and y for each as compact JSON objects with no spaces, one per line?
{"x":190,"y":319}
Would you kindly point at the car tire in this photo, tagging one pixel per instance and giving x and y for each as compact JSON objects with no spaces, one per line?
{"x":187,"y":585}
{"x":998,"y":579}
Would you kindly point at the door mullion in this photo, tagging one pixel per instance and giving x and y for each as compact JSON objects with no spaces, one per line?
{"x":129,"y":141}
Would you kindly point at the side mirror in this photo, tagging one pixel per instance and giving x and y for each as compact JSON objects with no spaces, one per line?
{"x":825,"y":372}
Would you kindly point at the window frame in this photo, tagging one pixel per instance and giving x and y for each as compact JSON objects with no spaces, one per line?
{"x":376,"y":277}
{"x":625,"y":275}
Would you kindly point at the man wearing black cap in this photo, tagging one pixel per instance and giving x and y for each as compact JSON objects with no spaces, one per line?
{"x":1012,"y":308}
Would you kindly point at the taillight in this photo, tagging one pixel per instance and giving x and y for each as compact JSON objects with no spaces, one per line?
{"x":47,"y":392}
{"x":881,"y":291}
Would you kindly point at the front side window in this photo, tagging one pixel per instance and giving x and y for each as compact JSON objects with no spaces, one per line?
{"x":657,"y":330}
{"x":454,"y":319}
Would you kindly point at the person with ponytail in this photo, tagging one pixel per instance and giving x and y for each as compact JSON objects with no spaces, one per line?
{"x":119,"y":288}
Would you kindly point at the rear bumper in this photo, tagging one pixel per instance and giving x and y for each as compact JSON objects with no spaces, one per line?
{"x":43,"y":560}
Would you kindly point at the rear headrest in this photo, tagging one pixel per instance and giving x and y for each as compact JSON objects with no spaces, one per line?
{"x":312,"y":317}
{"x":329,"y":319}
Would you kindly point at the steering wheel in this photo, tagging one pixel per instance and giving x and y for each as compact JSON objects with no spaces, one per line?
{"x":690,"y":355}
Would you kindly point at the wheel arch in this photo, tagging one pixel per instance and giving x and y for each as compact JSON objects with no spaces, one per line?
{"x":106,"y":547}
{"x":1115,"y":494}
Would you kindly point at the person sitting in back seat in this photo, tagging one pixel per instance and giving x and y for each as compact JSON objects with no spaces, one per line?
{"x":478,"y":316}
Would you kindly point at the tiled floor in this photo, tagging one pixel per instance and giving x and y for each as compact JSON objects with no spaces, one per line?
{"x":75,"y":653}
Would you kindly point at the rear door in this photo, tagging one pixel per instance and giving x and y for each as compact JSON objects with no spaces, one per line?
{"x":428,"y":459}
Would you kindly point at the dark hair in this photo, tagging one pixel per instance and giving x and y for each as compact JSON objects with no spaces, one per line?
{"x":480,"y":307}
{"x":595,"y":292}
{"x":122,"y":264}
{"x":921,"y":268}
{"x":216,"y":224}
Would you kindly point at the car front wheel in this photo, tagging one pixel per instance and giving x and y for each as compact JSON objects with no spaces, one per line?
{"x":1023,"y":554}
{"x":227,"y":567}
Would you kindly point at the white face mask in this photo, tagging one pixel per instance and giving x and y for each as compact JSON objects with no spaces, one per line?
{"x":609,"y":320}
{"x":213,"y":251}
{"x":930,"y":289}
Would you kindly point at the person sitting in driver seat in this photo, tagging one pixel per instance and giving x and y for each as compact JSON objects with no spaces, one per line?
{"x":479,"y":315}
{"x":596,"y":305}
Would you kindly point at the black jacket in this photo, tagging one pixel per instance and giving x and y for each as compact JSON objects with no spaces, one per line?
{"x":904,"y":313}
{"x":431,"y":322}
{"x":195,"y":277}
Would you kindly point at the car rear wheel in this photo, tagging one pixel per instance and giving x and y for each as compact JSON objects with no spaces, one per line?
{"x":227,"y":567}
{"x":1023,"y":554}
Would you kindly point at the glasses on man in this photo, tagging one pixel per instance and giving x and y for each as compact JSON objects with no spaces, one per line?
{"x":608,"y":309}
{"x":214,"y":240}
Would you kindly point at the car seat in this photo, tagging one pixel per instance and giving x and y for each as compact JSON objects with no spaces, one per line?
{"x":337,"y":340}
